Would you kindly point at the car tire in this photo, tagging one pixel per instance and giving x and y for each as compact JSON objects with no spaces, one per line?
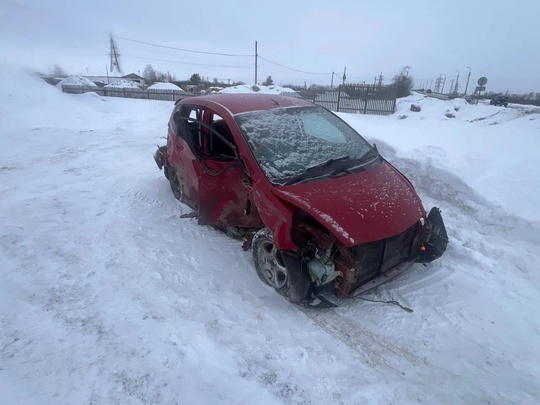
{"x":175,"y":184}
{"x":269,"y":262}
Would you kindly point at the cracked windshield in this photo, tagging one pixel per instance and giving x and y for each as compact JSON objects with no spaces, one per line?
{"x":288,"y":142}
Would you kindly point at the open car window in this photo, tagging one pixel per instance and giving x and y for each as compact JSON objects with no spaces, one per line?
{"x":220,"y":139}
{"x":187,"y":123}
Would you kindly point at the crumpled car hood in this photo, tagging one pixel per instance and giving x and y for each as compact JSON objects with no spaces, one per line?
{"x":358,"y":208}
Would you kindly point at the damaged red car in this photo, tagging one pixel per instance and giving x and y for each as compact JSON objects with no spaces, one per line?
{"x":317,"y":204}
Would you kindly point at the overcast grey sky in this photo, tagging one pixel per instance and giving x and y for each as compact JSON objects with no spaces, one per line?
{"x":497,"y":39}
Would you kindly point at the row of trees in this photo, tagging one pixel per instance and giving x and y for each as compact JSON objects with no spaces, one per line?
{"x":152,"y":76}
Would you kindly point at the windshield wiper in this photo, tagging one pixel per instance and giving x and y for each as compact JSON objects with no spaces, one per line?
{"x":317,"y":170}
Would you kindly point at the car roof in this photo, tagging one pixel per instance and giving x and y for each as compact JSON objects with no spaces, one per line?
{"x":238,"y":103}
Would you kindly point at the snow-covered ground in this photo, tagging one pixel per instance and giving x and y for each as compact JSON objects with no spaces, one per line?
{"x":107,"y":296}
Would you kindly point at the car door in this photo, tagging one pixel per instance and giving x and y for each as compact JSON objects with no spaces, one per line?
{"x":224,"y":184}
{"x":184,"y":148}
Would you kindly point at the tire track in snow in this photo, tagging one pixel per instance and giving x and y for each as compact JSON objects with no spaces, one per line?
{"x":374,"y":348}
{"x":384,"y":355}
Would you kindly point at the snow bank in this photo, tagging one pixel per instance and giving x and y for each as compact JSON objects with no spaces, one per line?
{"x":492,"y":149}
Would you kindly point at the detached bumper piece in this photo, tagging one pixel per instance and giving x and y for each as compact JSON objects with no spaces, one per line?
{"x":435,"y":238}
{"x":318,"y":302}
{"x":159,"y":155}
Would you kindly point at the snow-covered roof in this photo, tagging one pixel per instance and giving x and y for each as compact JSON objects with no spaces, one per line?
{"x":251,"y":88}
{"x":76,"y":80}
{"x":124,"y":84}
{"x":164,"y":86}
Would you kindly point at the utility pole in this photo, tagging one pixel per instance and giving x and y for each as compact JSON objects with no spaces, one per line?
{"x":457,"y":83}
{"x":332,"y":81}
{"x":451,"y":85}
{"x":115,"y":56}
{"x":468,"y":77}
{"x":438,"y":82}
{"x":344,"y":74}
{"x":255,"y":62}
{"x":443,"y":83}
{"x":381,"y":78}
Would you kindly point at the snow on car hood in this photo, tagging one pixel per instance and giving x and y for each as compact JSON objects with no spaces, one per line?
{"x":363,"y":207}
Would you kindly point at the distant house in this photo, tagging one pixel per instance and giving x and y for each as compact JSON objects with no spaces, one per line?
{"x":103,"y":80}
{"x":135,"y":78}
{"x":51,"y":80}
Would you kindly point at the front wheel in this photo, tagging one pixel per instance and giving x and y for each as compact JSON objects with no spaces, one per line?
{"x":269,"y":262}
{"x":279,"y":269}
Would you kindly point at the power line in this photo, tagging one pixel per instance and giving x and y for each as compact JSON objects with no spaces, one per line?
{"x":296,"y":70}
{"x":188,"y":63}
{"x":182,"y":49}
{"x":212,"y":53}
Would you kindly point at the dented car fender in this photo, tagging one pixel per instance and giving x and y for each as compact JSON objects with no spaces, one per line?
{"x":276,"y":214}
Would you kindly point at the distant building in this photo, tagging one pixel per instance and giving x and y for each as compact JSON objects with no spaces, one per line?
{"x":135,"y":78}
{"x":101,"y":80}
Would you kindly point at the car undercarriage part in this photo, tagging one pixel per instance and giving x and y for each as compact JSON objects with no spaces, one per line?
{"x":321,"y":268}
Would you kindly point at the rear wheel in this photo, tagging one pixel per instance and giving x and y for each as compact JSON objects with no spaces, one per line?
{"x":175,"y":184}
{"x":269,"y":262}
{"x":166,"y":171}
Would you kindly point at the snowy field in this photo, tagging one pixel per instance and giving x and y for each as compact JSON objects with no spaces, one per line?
{"x":107,"y":296}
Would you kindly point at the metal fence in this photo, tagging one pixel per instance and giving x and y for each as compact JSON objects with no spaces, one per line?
{"x":351,"y":98}
{"x":149,"y":94}
{"x":357,"y":98}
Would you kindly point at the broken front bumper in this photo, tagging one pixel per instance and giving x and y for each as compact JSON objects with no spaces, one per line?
{"x":434,"y":239}
{"x":431,"y":245}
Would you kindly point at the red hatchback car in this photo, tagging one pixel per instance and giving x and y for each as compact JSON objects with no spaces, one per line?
{"x":315,"y":201}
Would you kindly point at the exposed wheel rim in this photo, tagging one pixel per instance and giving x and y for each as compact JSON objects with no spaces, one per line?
{"x":271,"y":264}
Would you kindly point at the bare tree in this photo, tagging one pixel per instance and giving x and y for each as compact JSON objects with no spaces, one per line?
{"x":403,"y":82}
{"x":150,"y":74}
{"x":59,"y":72}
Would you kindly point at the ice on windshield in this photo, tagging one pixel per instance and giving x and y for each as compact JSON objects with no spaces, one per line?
{"x":286,"y":142}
